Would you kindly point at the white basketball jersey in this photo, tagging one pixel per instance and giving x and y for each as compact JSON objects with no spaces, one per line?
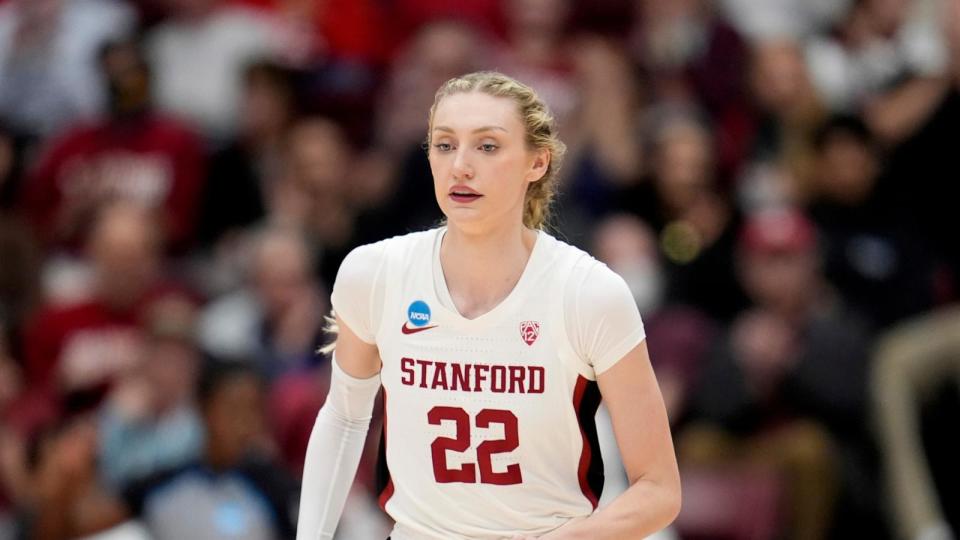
{"x":489,"y":423}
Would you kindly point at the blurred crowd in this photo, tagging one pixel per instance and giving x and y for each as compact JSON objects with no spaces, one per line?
{"x":180,"y":179}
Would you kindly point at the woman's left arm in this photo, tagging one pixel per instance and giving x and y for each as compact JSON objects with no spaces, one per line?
{"x":631,"y":394}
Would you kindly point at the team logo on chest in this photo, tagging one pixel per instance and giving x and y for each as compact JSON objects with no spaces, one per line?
{"x":529,"y":331}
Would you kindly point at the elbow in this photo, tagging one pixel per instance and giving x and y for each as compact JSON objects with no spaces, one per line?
{"x":673,"y":495}
{"x":672,"y":504}
{"x":670,"y":498}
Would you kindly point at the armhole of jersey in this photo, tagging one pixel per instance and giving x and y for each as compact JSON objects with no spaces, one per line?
{"x":580,"y":365}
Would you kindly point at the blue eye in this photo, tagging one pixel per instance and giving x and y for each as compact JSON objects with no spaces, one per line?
{"x":443,"y":147}
{"x":488,"y":147}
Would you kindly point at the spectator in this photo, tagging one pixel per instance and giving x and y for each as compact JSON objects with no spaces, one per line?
{"x":681,"y":200}
{"x":604,"y":148}
{"x":923,"y":166}
{"x":243,"y":170}
{"x":150,"y":422}
{"x":199,"y":53}
{"x":231,"y":491}
{"x":66,"y":499}
{"x":275,"y":321}
{"x":689,"y":56}
{"x":872,"y":254}
{"x":74,"y":352}
{"x":315,"y":194}
{"x":535,"y":52}
{"x":135,"y":154}
{"x":48,"y":68}
{"x":878,"y":46}
{"x":787,"y":111}
{"x":785,"y":389}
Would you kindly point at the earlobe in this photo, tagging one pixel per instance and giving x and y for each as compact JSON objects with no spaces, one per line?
{"x":540,"y":165}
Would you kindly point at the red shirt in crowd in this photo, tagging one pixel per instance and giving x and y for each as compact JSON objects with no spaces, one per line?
{"x":149,"y":159}
{"x":76,"y":351}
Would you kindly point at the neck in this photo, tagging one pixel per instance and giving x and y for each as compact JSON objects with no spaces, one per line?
{"x":482,"y":269}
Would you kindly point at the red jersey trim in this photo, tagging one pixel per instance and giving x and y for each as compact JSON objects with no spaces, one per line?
{"x":586,"y":400}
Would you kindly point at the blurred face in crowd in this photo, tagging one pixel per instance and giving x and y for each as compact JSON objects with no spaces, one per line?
{"x":319,"y":157}
{"x":847,"y":168}
{"x":480,"y":161}
{"x":441,"y":51}
{"x":779,"y":280}
{"x":887,"y":15}
{"x":779,"y":77}
{"x":281,"y":272}
{"x":125,"y":250}
{"x":127,"y":78}
{"x":539,"y":17}
{"x":629,"y":247}
{"x":673,"y":33}
{"x":682,"y":164}
{"x":171,"y":361}
{"x":234,"y":418}
{"x":266,"y":104}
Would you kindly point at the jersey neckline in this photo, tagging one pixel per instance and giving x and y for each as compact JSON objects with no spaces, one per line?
{"x":445,"y":302}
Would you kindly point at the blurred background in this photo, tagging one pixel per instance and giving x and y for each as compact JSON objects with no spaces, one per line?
{"x":180,"y":179}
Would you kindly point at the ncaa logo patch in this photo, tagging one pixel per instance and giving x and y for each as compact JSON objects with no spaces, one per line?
{"x":418,"y":313}
{"x":529,"y":331}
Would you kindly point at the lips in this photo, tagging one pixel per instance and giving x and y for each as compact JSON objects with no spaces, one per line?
{"x":463,"y":194}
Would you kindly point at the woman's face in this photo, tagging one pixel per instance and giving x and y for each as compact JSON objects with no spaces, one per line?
{"x":480,"y":161}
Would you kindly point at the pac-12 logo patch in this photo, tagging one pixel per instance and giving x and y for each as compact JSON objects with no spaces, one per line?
{"x":418,"y":315}
{"x":529,"y":331}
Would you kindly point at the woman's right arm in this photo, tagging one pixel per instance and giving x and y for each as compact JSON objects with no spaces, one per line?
{"x":336,"y":442}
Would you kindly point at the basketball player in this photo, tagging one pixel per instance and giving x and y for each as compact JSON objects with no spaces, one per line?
{"x":494,"y":343}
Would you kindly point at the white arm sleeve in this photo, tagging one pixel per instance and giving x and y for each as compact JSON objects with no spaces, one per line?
{"x":333,"y":452}
{"x":602,"y":318}
{"x":357,"y":296}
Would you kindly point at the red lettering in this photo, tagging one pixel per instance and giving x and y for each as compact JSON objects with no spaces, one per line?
{"x":498,"y":384}
{"x":461,"y":377}
{"x":510,"y":442}
{"x":481,"y":371}
{"x":536,"y":380}
{"x":442,"y":473}
{"x":406,"y":366}
{"x":516,"y":379}
{"x":423,"y":372}
{"x":439,"y":376}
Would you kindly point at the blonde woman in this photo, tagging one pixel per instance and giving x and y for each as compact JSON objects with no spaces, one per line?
{"x":494,"y":344}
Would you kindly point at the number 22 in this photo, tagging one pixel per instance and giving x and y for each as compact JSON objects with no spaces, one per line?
{"x":467,"y":472}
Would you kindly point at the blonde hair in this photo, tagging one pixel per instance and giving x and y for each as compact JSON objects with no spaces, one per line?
{"x":541,"y":133}
{"x":540,"y":126}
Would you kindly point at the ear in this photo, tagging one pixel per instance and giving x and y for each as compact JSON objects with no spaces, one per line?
{"x":538,"y":168}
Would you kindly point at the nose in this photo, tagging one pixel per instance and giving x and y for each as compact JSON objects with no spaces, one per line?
{"x":462,"y":170}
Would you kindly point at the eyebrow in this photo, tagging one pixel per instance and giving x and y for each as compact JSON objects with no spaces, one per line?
{"x":478,"y":130}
